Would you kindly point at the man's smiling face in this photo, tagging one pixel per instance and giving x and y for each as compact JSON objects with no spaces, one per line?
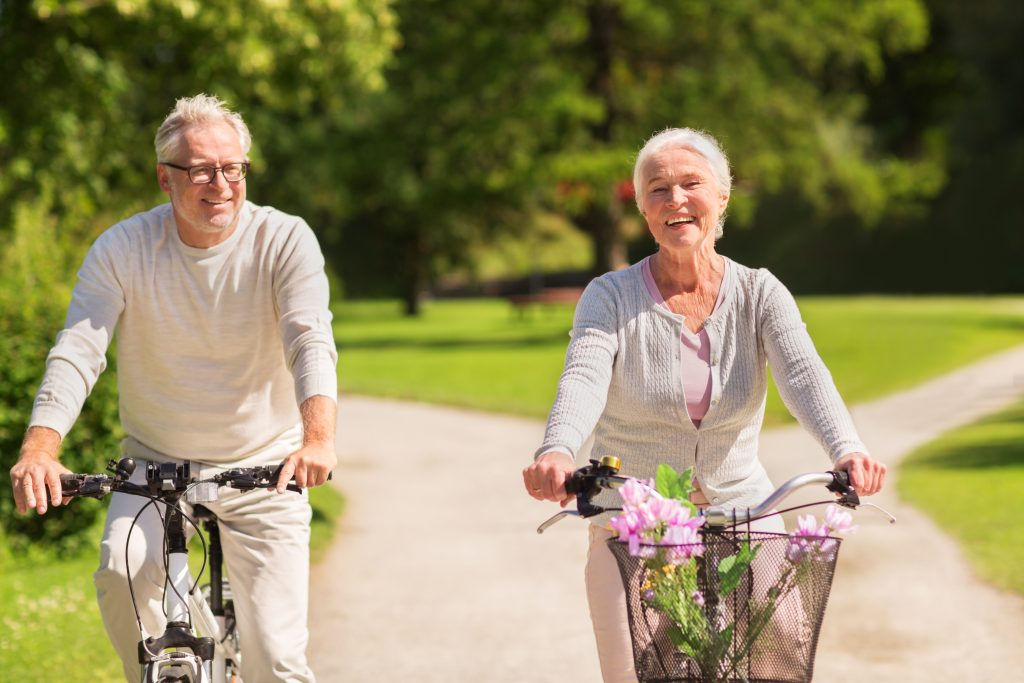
{"x":206,"y":214}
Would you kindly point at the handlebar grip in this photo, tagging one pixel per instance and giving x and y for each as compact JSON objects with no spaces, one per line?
{"x":70,"y":483}
{"x":842,"y":478}
{"x":574,"y":483}
{"x":290,"y":486}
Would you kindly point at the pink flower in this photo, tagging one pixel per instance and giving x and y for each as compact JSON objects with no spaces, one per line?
{"x":813,"y":540}
{"x":839,"y":521}
{"x":649,"y":519}
{"x":806,"y":539}
{"x":635,"y":493}
{"x":685,"y":542}
{"x":629,"y":527}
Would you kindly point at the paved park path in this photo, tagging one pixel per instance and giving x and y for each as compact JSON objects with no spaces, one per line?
{"x":438,"y":575}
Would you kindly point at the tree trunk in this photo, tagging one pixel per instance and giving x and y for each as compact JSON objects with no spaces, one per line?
{"x":602,"y":217}
{"x":602,"y":223}
{"x":413,"y":274}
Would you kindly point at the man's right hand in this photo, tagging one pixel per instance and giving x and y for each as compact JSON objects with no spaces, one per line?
{"x":37,"y":471}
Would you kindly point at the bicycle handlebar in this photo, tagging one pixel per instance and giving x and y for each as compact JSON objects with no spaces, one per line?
{"x":590,"y":480}
{"x":167,"y":480}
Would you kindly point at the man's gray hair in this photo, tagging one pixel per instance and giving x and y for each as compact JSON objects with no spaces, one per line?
{"x":686,"y":138}
{"x":198,"y":110}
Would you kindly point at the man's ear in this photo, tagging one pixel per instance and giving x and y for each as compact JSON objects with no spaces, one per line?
{"x":162,"y":178}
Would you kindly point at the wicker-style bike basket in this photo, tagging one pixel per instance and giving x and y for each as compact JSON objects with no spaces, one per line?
{"x":782,"y":652}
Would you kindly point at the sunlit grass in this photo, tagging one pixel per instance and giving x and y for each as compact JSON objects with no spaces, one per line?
{"x":483,"y":354}
{"x":971,"y":482}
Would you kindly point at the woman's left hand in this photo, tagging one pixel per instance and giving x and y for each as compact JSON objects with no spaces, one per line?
{"x":867,"y":475}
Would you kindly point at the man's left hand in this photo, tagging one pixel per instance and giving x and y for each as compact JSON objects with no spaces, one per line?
{"x":310,"y":465}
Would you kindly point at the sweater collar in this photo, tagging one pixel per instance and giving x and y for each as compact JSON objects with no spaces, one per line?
{"x":724,"y":297}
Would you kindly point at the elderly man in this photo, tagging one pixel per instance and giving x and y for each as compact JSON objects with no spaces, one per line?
{"x":225,"y":358}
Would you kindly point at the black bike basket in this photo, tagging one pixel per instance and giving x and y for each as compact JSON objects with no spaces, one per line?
{"x":756,"y":644}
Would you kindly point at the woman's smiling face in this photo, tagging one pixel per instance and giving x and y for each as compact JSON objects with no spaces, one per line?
{"x":680,"y":200}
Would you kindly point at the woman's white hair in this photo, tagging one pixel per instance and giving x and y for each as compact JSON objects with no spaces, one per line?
{"x":686,"y":138}
{"x":198,"y":110}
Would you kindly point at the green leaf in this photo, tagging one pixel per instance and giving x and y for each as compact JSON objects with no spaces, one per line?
{"x":682,"y":643}
{"x":672,"y":484}
{"x":732,"y":568}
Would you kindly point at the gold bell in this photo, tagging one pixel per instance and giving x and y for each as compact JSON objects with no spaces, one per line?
{"x":612,"y":462}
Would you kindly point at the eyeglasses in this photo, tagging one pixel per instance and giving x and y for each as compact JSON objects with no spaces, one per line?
{"x":203,"y":175}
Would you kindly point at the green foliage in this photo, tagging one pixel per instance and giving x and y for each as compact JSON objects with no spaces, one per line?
{"x":732,"y":568}
{"x":446,"y":156}
{"x":671,"y":484}
{"x":32,"y":304}
{"x":970,"y":482}
{"x":493,"y":112}
{"x":86,"y":83}
{"x":955,"y":101}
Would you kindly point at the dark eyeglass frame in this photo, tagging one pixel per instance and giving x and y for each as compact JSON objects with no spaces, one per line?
{"x":244,"y":165}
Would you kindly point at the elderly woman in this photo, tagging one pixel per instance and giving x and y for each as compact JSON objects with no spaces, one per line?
{"x":667,"y":363}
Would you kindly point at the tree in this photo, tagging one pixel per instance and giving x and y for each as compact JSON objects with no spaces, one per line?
{"x":781,"y":84}
{"x":492,"y":112}
{"x":959,"y":97}
{"x":448,"y":153}
{"x":84,"y":84}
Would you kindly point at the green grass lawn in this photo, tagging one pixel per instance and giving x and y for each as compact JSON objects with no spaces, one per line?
{"x":479,"y":353}
{"x":971,"y":482}
{"x":50,"y":628}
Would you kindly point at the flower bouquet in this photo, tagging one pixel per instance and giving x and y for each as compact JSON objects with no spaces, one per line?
{"x":720,"y":606}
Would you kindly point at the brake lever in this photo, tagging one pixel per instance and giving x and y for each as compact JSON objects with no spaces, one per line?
{"x":556,"y":518}
{"x":848,"y":498}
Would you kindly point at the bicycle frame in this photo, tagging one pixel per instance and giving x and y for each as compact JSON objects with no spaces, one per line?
{"x":165,"y":656}
{"x":180,"y":653}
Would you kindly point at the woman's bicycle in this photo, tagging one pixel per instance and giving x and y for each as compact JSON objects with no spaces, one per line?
{"x":200,"y":643}
{"x":731,"y":604}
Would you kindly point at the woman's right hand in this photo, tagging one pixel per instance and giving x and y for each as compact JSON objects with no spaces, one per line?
{"x":545,"y":478}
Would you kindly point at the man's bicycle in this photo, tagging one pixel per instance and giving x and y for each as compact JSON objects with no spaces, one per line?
{"x":734,"y":605}
{"x":200,"y":643}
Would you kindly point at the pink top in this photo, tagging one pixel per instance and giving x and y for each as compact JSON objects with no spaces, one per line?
{"x":696,"y":355}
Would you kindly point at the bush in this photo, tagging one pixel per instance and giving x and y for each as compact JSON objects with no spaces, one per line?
{"x":35,"y":285}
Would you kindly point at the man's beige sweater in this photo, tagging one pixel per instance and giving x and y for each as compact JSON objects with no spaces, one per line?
{"x":216,"y":348}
